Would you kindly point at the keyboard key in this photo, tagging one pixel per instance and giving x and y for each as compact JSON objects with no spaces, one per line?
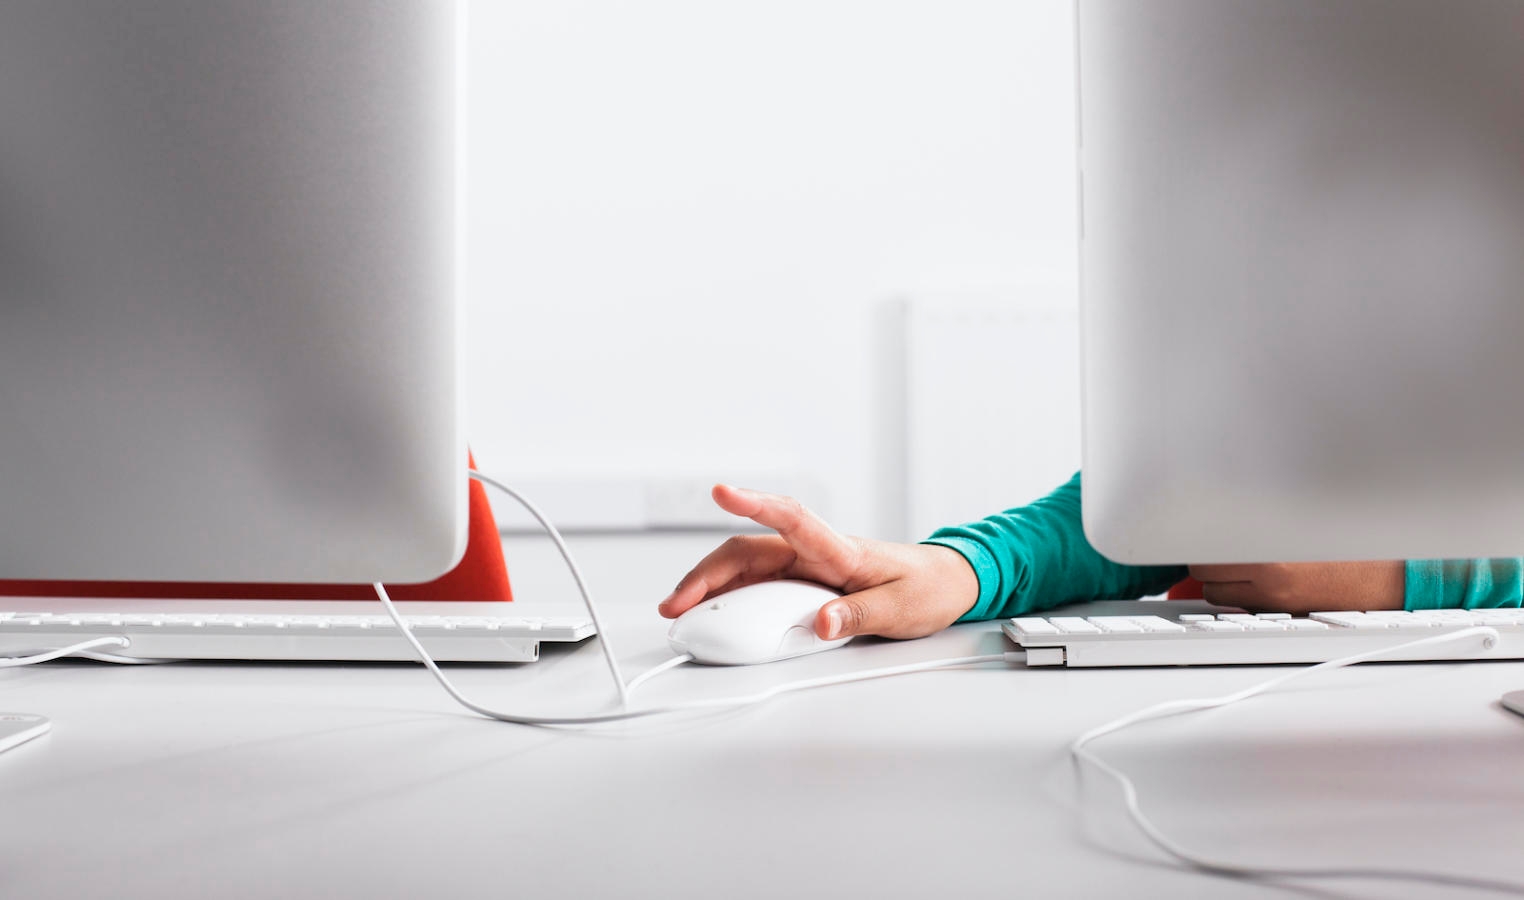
{"x":1444,"y":616}
{"x":1348,"y":619}
{"x":1305,"y":625}
{"x":350,"y":621}
{"x":1198,"y":617}
{"x":1218,"y":626}
{"x":1500,"y":617}
{"x":1073,"y":625}
{"x":1033,"y":626}
{"x":1396,"y":618}
{"x":1115,"y":624}
{"x":1157,"y":624}
{"x":1273,"y":617}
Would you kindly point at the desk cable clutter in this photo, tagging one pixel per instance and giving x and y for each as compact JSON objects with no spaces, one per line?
{"x":1079,"y":749}
{"x":625,"y":712}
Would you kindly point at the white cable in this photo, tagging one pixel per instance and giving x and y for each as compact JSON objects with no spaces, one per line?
{"x":80,"y":648}
{"x":1204,"y":863}
{"x":587,"y":596}
{"x":608,"y":654}
{"x":1077,"y":748}
{"x":656,"y":670}
{"x":690,"y":706}
{"x":124,"y":660}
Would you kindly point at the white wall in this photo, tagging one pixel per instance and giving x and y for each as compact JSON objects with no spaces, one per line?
{"x":691,"y":221}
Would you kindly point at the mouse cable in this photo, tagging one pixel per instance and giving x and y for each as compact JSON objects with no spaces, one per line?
{"x":1079,"y":749}
{"x":576,"y":573}
{"x":687,"y":706}
{"x":121,"y":660}
{"x":624,"y":712}
{"x":656,"y":670}
{"x":81,"y":649}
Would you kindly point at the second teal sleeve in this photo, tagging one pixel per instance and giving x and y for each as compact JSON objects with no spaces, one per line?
{"x":1464,"y":583}
{"x":1036,"y":557}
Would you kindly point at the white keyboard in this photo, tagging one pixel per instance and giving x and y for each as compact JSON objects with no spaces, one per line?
{"x":281,"y":636}
{"x":1244,"y":639}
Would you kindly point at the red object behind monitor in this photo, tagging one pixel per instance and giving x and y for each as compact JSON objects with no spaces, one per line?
{"x":1189,"y":589}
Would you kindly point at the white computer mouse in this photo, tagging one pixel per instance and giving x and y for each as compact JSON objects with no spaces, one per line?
{"x":759,"y":623}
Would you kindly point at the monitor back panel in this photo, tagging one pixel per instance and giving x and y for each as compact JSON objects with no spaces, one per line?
{"x":227,"y":291}
{"x":1303,"y":285}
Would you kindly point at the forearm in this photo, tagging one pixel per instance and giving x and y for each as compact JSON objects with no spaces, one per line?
{"x":1036,"y":557}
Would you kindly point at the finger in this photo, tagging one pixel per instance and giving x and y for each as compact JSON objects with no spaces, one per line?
{"x":881,"y":610}
{"x":740,"y":560}
{"x":809,"y":535}
{"x":1223,"y":573}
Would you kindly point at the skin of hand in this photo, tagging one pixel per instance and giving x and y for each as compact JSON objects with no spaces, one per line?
{"x":892,"y":590}
{"x":1305,"y":587}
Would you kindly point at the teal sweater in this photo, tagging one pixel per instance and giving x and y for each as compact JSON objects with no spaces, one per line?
{"x":1036,"y":557}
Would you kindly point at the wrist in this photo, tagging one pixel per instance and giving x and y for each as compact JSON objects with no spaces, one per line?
{"x":956,"y":578}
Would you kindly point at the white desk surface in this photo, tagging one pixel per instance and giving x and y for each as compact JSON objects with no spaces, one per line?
{"x":270,"y":780}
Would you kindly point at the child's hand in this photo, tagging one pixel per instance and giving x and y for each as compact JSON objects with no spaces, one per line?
{"x":894,"y":590}
{"x":1305,"y":587}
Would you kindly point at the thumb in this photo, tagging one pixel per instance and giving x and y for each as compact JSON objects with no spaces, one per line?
{"x":873,"y":611}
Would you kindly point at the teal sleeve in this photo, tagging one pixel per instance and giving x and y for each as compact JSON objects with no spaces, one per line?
{"x":1464,"y":583}
{"x":1036,"y":557}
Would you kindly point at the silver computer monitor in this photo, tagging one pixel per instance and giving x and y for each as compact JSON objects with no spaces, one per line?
{"x":228,"y":291}
{"x":1303,"y":278}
